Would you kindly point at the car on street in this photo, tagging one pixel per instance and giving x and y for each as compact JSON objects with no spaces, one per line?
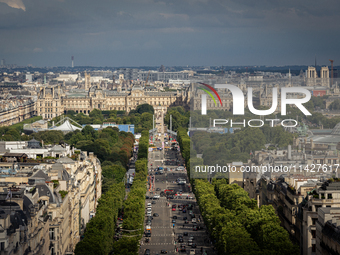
{"x":194,"y":228}
{"x":174,"y":208}
{"x":153,"y":202}
{"x":158,"y":189}
{"x":164,"y":251}
{"x":173,"y":221}
{"x":174,"y":217}
{"x":148,"y":214}
{"x":186,"y":222}
{"x":193,"y":245}
{"x":156,"y":196}
{"x":147,"y":197}
{"x":192,"y":252}
{"x":185,"y":233}
{"x":184,"y":211}
{"x":147,"y":252}
{"x":190,"y":242}
{"x":193,"y":220}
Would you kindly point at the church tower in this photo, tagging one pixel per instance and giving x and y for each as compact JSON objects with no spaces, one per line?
{"x":87,"y":81}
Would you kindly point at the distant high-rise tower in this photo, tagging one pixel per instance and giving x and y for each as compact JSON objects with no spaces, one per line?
{"x":72,"y":58}
{"x":3,"y":62}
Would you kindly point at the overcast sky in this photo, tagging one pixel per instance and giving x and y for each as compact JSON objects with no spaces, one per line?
{"x":169,"y":32}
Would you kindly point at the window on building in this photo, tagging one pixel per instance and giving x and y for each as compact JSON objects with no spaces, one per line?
{"x":314,"y":233}
{"x":314,"y":220}
{"x":56,"y":109}
{"x":334,"y":161}
{"x":321,"y":161}
{"x":313,"y":247}
{"x":329,"y":196}
{"x":329,"y":161}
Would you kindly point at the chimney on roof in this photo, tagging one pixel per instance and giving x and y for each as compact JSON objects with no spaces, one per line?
{"x":289,"y":152}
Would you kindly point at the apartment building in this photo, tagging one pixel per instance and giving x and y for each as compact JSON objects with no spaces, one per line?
{"x":325,"y":195}
{"x":45,"y":207}
{"x":328,"y":230}
{"x":14,"y":110}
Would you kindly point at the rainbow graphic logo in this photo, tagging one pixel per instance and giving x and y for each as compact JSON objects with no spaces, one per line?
{"x":204,"y":97}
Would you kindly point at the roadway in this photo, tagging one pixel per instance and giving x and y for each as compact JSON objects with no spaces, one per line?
{"x":164,"y":236}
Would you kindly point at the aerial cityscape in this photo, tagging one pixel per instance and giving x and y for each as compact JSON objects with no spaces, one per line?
{"x":169,"y":127}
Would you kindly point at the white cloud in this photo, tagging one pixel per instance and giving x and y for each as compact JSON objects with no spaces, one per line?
{"x":18,"y":4}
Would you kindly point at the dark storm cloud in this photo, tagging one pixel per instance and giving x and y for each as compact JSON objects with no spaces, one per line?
{"x":150,"y":32}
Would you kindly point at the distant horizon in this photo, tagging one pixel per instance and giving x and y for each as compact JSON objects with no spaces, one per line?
{"x":9,"y":66}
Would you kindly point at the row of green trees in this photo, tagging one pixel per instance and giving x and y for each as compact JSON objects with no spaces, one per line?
{"x":184,"y":143}
{"x":134,"y":210}
{"x":225,"y":148}
{"x":100,"y":231}
{"x":143,"y":146}
{"x":134,"y":205}
{"x":236,"y":223}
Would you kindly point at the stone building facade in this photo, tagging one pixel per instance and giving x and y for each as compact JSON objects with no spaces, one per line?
{"x":17,"y":114}
{"x":50,"y":204}
{"x":52,"y":101}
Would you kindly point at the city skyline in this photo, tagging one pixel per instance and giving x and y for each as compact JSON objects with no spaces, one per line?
{"x":151,"y":33}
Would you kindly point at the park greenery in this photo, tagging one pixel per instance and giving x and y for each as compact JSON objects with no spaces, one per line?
{"x":14,"y":132}
{"x":236,"y":224}
{"x":141,"y":117}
